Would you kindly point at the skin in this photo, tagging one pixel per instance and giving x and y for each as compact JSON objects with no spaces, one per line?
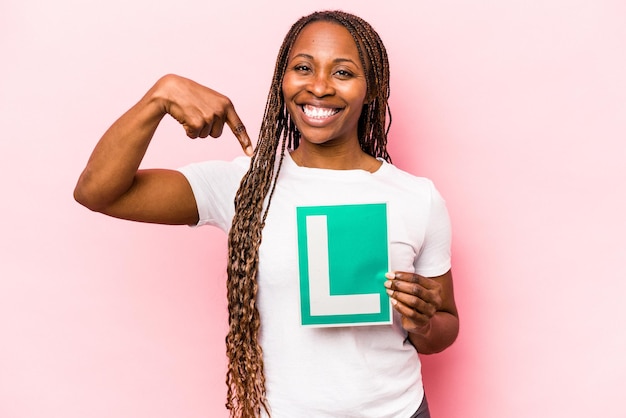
{"x":324,"y":72}
{"x":428,"y":310}
{"x":111,"y":182}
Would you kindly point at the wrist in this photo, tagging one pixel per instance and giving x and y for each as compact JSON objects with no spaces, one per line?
{"x":440,"y":332}
{"x":160,"y":94}
{"x":422,"y":331}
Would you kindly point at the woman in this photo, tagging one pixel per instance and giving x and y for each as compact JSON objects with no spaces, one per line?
{"x":322,"y":141}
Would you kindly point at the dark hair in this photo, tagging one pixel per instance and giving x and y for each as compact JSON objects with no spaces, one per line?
{"x":245,"y":378}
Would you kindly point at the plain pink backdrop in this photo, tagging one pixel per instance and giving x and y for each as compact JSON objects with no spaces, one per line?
{"x":516,"y":109}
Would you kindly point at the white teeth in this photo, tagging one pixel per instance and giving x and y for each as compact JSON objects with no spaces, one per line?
{"x":318,"y":112}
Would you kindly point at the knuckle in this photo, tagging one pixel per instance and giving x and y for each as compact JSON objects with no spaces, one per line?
{"x":419,"y":318}
{"x":196,"y":122}
{"x":239,"y":129}
{"x":226,"y":102}
{"x":413,"y":316}
{"x":216,"y":131}
{"x":417,"y":290}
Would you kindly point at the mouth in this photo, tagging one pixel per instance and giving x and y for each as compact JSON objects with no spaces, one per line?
{"x":320,"y":113}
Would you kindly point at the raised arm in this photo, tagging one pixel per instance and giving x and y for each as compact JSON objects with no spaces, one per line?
{"x":112,"y":183}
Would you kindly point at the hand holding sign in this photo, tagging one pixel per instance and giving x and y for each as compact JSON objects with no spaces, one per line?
{"x":416,"y":298}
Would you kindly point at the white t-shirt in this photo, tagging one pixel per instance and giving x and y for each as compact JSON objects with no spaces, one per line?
{"x":363,"y":371}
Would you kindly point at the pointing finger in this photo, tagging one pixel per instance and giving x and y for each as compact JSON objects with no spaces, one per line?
{"x":238,"y":128}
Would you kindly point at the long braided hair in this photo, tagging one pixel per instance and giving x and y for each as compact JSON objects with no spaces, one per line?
{"x":245,"y":378}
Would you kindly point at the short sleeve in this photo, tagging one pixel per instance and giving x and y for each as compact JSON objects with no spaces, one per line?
{"x":214,"y":185}
{"x":434,"y":258}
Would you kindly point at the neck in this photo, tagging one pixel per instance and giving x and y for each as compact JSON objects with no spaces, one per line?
{"x":334,"y":158}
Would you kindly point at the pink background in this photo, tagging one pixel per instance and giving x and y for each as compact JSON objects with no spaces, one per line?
{"x":516,"y":109}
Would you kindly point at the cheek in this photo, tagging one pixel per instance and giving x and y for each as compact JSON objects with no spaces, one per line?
{"x":356,"y":94}
{"x":284,"y":88}
{"x":357,"y":103}
{"x":288,"y":86}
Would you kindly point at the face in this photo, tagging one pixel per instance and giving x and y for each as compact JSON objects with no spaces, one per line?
{"x":325,"y":85}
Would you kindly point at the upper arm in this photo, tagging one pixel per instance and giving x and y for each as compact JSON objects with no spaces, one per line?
{"x":156,"y":196}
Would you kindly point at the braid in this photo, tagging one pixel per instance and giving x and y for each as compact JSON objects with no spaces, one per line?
{"x":245,"y":377}
{"x":372,"y":130}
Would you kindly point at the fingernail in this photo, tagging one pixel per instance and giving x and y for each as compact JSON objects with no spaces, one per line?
{"x":393,"y":301}
{"x":390,"y":275}
{"x":388,"y":284}
{"x":389,"y":292}
{"x":249,"y":150}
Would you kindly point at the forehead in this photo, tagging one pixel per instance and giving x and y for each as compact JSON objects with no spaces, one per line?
{"x":325,"y":38}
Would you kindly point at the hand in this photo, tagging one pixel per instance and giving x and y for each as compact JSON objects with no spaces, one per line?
{"x":200,"y":110}
{"x":416,"y":298}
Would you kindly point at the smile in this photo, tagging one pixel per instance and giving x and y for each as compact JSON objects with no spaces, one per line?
{"x":315,"y":112}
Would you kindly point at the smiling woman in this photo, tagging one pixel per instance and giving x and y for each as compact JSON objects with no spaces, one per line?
{"x":322,"y":145}
{"x":324,"y":90}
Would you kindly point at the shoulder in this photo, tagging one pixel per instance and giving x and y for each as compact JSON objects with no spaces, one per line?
{"x":217,"y":168}
{"x":408,"y":181}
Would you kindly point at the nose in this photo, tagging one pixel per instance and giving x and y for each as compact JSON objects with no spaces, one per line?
{"x":321,"y":85}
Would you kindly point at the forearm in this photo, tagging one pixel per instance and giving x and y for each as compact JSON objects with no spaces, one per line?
{"x":440,"y":332}
{"x":114,"y":162}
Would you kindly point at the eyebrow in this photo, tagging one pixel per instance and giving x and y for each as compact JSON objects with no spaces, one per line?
{"x":336,"y":60}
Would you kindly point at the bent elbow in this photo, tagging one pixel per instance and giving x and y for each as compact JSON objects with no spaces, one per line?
{"x":83,"y":198}
{"x":87,"y":198}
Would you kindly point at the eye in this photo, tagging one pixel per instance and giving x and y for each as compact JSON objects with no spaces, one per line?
{"x":344,"y":74}
{"x":302,"y":68}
